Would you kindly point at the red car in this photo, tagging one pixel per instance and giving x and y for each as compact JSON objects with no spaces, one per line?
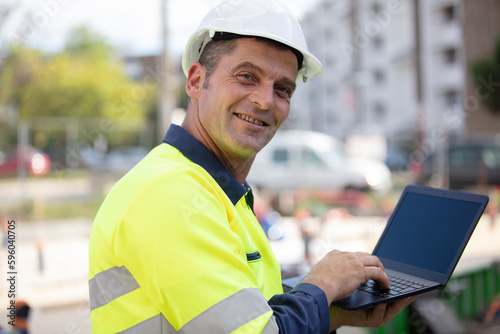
{"x":34,"y":161}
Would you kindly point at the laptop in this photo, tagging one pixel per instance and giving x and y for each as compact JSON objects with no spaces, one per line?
{"x":422,"y":242}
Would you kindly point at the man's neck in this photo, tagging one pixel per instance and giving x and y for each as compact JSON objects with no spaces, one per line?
{"x":239,"y":169}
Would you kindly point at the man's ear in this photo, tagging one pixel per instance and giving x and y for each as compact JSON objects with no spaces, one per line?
{"x":195,"y":78}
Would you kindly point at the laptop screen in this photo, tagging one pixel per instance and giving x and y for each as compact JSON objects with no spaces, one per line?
{"x":426,"y":231}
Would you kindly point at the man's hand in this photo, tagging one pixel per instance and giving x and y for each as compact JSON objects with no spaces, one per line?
{"x":338,"y":274}
{"x":373,"y":317}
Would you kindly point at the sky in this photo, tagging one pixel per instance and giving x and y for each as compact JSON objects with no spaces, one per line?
{"x":133,"y":26}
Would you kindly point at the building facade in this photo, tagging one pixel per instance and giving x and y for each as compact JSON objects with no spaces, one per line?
{"x":481,"y":35}
{"x":391,"y":67}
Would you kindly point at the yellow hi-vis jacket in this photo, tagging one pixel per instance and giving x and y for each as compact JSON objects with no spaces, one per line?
{"x":176,"y":248}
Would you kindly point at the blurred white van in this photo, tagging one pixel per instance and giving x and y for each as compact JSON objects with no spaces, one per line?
{"x":296,"y":159}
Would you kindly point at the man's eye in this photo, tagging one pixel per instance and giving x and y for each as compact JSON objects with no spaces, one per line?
{"x":284,"y":91}
{"x":245,"y":76}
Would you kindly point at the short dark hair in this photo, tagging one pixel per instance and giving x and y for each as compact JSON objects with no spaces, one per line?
{"x":212,"y":53}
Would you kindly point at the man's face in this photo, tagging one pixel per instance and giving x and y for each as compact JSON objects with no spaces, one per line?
{"x":247,"y":98}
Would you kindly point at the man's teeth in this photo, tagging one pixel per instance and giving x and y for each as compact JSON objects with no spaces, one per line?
{"x":251,"y":120}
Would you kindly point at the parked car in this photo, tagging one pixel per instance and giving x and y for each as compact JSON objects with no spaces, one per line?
{"x":32,"y":160}
{"x":297,"y":159}
{"x":122,"y":159}
{"x":465,"y":164}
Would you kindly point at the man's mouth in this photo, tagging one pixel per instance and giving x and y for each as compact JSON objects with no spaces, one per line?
{"x":250,"y":120}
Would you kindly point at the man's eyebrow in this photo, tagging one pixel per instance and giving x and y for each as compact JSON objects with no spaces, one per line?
{"x":250,"y":65}
{"x":247,"y":64}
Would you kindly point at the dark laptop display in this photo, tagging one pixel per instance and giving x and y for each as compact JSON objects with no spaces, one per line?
{"x":427,"y":231}
{"x":421,"y":244}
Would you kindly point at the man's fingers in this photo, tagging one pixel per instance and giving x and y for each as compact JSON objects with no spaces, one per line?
{"x":378,"y":275}
{"x":371,"y":260}
{"x":374,"y":269}
{"x":396,"y":307}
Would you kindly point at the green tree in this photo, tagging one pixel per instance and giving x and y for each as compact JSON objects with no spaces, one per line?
{"x":487,"y":76}
{"x":17,"y":72}
{"x":85,"y":80}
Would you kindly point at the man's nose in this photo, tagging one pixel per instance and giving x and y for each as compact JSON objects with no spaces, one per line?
{"x":263,"y":96}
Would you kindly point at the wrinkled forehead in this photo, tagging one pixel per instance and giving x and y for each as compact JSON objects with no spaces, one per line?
{"x":265,"y":58}
{"x":219,"y":36}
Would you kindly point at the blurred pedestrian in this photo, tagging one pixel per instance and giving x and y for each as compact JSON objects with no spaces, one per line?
{"x":269,"y":219}
{"x":22,"y":317}
{"x":303,"y":218}
{"x":5,"y":231}
{"x":40,"y":249}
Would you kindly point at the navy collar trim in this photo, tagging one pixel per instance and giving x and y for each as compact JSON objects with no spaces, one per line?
{"x":200,"y":155}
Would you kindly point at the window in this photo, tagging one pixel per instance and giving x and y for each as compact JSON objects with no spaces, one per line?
{"x":380,"y":110}
{"x":379,"y":76}
{"x":376,"y":7}
{"x":449,"y":13}
{"x":309,"y":158}
{"x":450,"y":56}
{"x":462,"y":157}
{"x":378,"y":42}
{"x":280,"y":156}
{"x":451,"y":98}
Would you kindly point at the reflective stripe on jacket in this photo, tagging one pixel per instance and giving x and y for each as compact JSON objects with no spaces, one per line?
{"x":223,"y":317}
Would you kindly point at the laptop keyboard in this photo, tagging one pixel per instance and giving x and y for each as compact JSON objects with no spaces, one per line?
{"x":399,"y":285}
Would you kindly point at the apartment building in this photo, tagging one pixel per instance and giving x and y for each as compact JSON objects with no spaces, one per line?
{"x":378,"y":80}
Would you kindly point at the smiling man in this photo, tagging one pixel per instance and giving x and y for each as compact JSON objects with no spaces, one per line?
{"x":176,"y":247}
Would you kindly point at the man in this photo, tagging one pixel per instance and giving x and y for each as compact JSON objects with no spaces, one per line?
{"x":175,"y":247}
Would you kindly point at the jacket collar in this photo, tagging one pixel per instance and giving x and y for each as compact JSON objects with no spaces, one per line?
{"x":200,"y":155}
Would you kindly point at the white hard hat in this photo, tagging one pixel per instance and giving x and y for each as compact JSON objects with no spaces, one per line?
{"x":263,"y":18}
